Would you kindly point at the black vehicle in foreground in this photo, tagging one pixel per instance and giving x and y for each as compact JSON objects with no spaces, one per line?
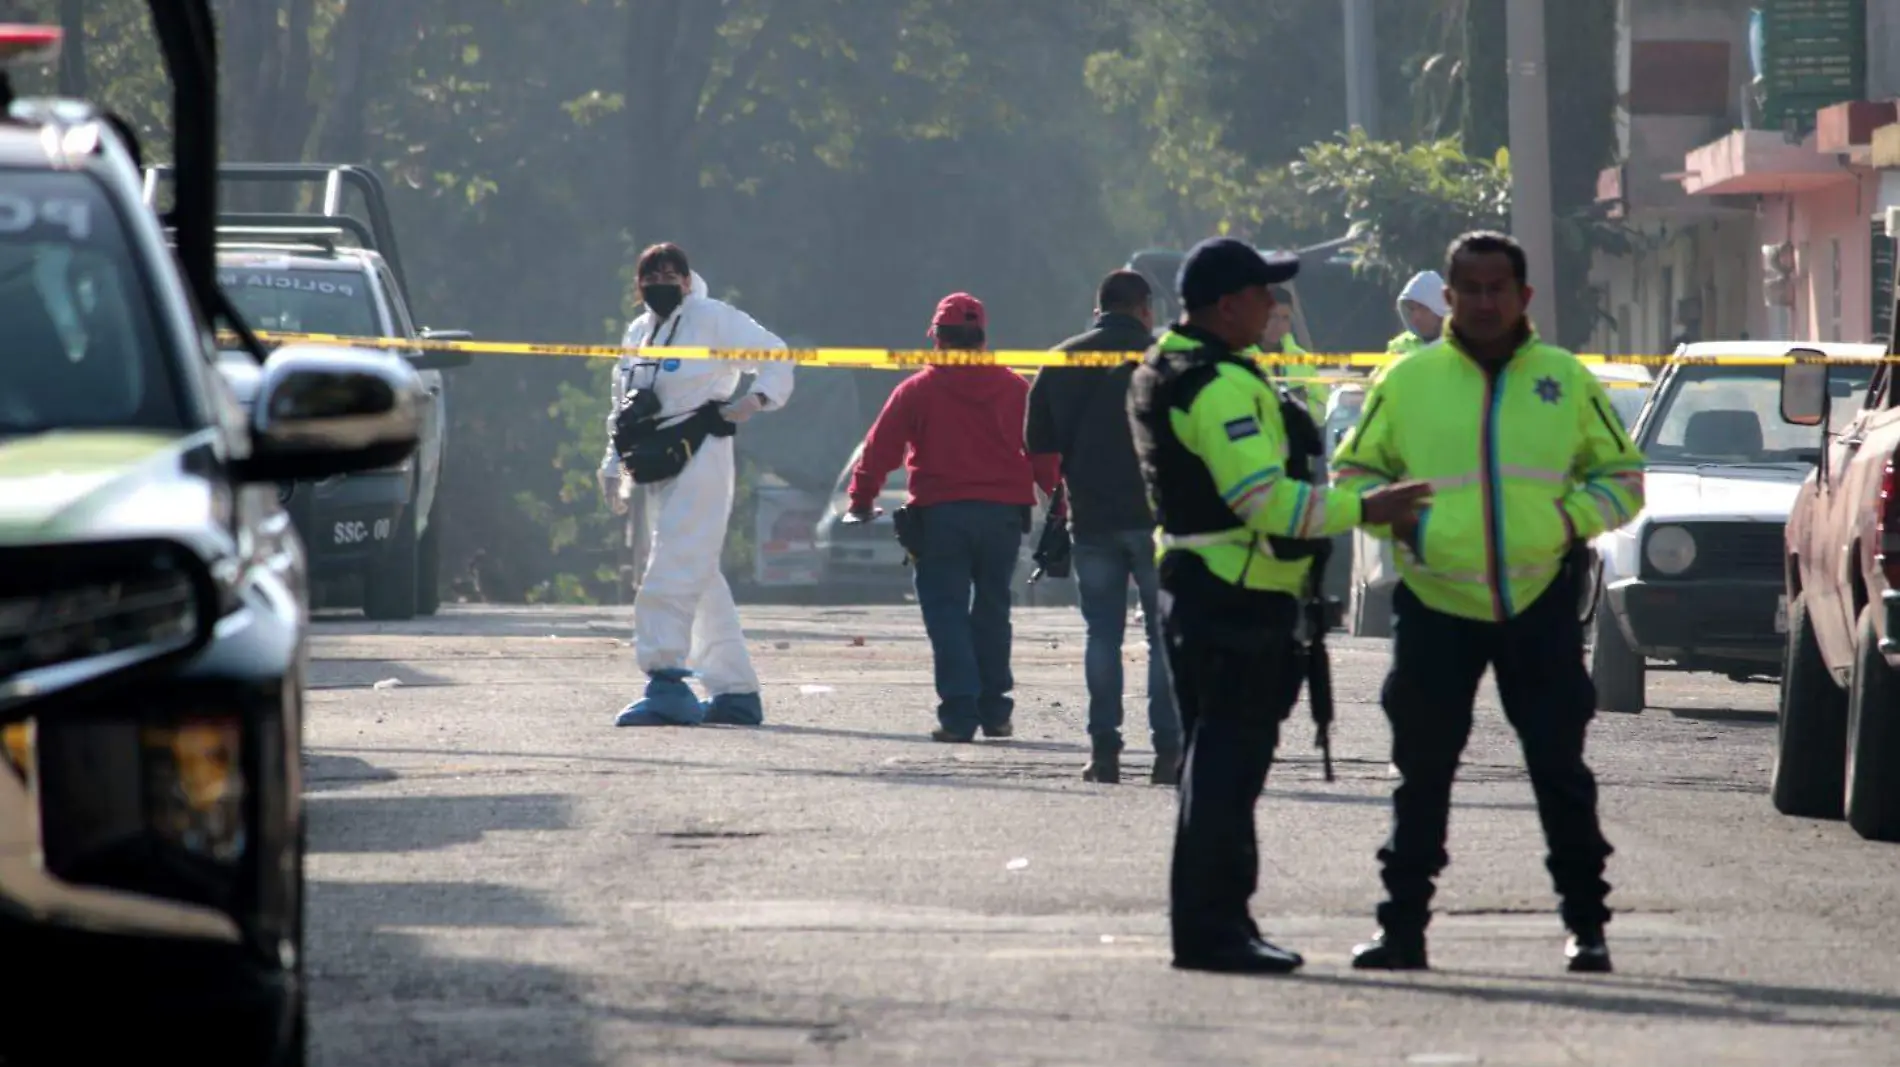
{"x":153,"y":611}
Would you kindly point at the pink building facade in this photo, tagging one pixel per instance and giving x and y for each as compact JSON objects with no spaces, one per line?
{"x":1821,"y":219}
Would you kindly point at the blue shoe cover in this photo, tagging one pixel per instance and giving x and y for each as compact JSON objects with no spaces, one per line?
{"x":735,"y":709}
{"x":668,"y":702}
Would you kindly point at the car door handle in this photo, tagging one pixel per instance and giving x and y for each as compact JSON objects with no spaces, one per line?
{"x":1853,"y":442}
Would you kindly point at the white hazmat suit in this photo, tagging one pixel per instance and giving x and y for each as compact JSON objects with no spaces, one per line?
{"x":684,"y":619}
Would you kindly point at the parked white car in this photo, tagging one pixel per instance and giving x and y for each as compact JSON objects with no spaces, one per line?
{"x":863,"y":563}
{"x":1697,"y":580}
{"x":1375,"y":574}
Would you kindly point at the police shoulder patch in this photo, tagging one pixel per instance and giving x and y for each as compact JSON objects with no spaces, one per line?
{"x":1243,"y":427}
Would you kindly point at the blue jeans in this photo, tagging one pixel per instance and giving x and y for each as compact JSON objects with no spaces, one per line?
{"x":1104,"y":564}
{"x":965,"y":561}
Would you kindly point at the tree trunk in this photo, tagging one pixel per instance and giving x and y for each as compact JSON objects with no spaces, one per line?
{"x":670,"y":48}
{"x":72,"y":50}
{"x":358,"y":43}
{"x":1487,"y":126}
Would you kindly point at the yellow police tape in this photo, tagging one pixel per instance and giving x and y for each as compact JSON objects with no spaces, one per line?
{"x":893,"y":359}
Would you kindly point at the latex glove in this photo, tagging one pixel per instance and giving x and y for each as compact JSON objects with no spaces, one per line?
{"x":743,"y":408}
{"x":610,"y":491}
{"x":854,"y":518}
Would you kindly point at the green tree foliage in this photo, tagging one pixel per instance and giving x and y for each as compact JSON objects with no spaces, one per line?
{"x":833,"y":166}
{"x":1403,"y":201}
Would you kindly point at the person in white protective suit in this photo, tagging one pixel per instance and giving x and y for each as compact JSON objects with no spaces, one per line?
{"x":684,"y":620}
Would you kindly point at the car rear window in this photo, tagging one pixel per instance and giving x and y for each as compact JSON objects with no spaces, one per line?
{"x":273,"y":296}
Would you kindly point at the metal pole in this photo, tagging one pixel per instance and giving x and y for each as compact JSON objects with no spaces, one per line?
{"x":1531,"y":221}
{"x":1362,"y":69}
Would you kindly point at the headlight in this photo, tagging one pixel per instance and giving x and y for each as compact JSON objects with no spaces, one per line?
{"x":194,"y":785}
{"x":1670,"y":550}
{"x":153,"y":802}
{"x":65,"y":625}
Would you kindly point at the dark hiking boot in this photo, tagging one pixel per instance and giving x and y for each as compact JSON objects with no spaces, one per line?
{"x":1253,"y":956}
{"x":1105,"y":764}
{"x":1588,"y":953}
{"x":1392,"y":950}
{"x":1167,"y":768}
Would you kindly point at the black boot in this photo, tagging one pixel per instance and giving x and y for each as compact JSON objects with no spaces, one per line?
{"x":1167,"y":767}
{"x":1253,"y":956}
{"x":1588,"y":953}
{"x":1105,"y":763}
{"x":1392,"y":950}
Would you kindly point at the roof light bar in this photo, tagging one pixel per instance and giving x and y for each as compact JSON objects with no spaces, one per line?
{"x":22,"y":44}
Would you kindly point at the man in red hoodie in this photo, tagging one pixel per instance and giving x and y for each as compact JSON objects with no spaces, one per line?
{"x":958,"y":430}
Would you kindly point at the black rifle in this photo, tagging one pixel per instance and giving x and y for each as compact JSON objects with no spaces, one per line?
{"x":1054,"y":553}
{"x":1319,"y":666}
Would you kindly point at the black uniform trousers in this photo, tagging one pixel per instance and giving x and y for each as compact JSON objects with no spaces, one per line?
{"x":1234,"y":665}
{"x":1549,"y":700}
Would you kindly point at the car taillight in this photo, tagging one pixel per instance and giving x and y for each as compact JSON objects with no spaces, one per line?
{"x":1887,"y":524}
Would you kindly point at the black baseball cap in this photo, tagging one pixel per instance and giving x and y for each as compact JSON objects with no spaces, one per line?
{"x":1222,"y":265}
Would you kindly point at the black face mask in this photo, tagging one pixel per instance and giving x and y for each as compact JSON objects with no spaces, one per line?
{"x":664,"y":299}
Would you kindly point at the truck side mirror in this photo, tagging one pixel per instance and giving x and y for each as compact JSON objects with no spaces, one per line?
{"x":1804,"y":389}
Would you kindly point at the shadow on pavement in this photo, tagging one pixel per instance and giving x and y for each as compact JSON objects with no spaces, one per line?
{"x":383,"y":994}
{"x":411,"y":824}
{"x":323,"y":772}
{"x":921,"y":736}
{"x":1673,"y":998}
{"x":365,"y":673}
{"x":1384,"y":799}
{"x":1737,"y":716}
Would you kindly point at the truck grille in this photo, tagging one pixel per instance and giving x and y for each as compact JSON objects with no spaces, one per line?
{"x":1746,"y":550}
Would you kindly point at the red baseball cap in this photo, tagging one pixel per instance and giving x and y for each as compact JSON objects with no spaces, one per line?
{"x":959,"y":309}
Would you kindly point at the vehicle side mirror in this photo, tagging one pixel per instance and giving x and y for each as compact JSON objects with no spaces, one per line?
{"x":322,"y":411}
{"x":440,"y":359}
{"x":1804,"y":389}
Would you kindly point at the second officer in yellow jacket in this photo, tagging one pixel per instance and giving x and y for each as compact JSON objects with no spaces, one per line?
{"x":1229,"y":469}
{"x":1528,"y":461}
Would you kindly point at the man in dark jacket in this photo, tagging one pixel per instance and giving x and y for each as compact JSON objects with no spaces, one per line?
{"x":958,"y":431}
{"x":1081,"y":413}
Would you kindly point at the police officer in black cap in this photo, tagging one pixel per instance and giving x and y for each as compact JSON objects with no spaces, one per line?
{"x":1230,"y":468}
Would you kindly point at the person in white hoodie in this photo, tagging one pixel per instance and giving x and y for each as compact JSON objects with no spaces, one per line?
{"x":1422,"y":310}
{"x":684,"y":620}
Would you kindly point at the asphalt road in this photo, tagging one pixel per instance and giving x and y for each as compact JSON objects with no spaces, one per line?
{"x":501,"y":877}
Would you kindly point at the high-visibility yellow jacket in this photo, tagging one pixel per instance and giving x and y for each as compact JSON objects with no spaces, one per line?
{"x":1524,"y":462}
{"x":1213,"y":445}
{"x":1314,"y":393}
{"x":1406,"y":343}
{"x":1403,"y":345}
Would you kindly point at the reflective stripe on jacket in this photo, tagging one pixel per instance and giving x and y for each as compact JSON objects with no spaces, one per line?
{"x":1227,"y":417}
{"x":1524,"y":462}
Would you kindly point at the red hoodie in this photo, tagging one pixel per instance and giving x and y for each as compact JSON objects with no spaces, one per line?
{"x":959,"y":433}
